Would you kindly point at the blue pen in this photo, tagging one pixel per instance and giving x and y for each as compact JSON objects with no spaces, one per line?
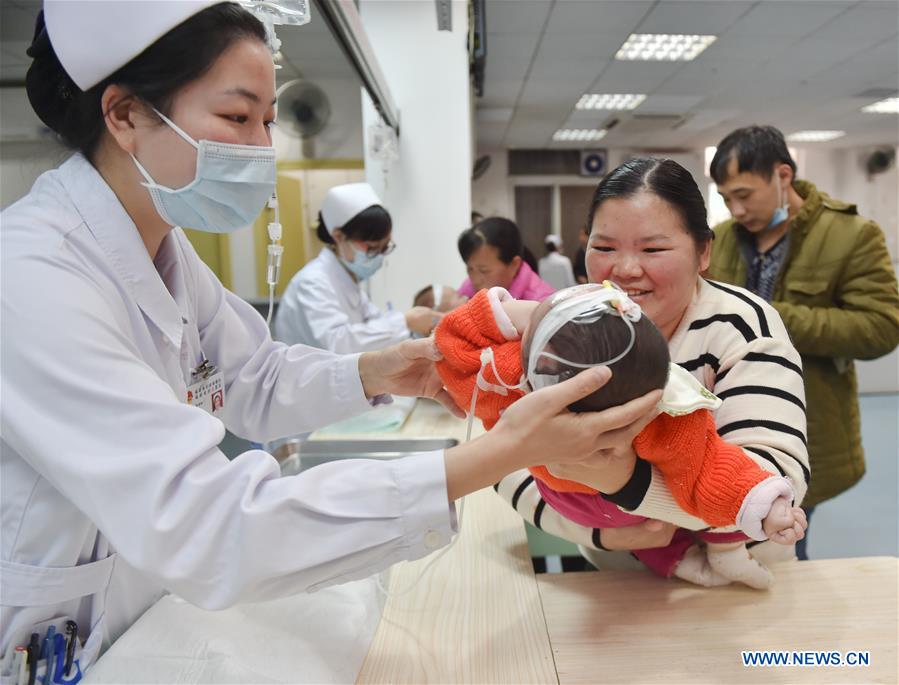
{"x":48,"y":653}
{"x":59,"y":659}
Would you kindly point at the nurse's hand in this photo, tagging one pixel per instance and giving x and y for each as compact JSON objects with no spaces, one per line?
{"x":540,"y":424}
{"x":406,"y":369}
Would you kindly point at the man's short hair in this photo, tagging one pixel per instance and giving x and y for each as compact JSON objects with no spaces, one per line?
{"x":757,"y":149}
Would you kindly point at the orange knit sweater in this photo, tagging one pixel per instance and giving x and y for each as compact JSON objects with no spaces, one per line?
{"x":707,"y":476}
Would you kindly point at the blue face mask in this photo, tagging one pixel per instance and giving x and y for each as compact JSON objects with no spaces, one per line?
{"x":230,"y":188}
{"x":781,"y":214}
{"x":363,"y":266}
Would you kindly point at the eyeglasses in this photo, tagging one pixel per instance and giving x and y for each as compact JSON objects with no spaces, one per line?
{"x":375,"y":251}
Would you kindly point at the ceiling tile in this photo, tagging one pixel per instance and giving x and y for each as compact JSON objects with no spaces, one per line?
{"x":669,"y":104}
{"x":516,"y":16}
{"x":592,"y":16}
{"x":555,"y":93}
{"x":500,"y":92}
{"x":862,"y":25}
{"x":693,"y":17}
{"x":634,"y":77}
{"x":789,"y":18}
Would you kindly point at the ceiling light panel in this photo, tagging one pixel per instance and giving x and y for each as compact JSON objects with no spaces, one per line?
{"x":815,"y":136}
{"x":613,"y":101}
{"x":578,"y":135}
{"x":887,"y":106}
{"x":663,"y":47}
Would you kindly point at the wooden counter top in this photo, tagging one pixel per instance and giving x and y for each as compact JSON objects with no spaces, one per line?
{"x":480,"y":615}
{"x":475,"y":615}
{"x":620,"y":627}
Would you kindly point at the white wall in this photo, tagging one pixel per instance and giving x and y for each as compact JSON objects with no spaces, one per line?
{"x":491,"y":194}
{"x":428,"y":189}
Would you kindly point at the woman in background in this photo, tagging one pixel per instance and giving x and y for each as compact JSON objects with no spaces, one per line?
{"x":495,"y":255}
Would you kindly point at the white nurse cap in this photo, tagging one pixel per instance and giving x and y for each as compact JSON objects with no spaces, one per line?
{"x":344,"y":202}
{"x":95,"y":38}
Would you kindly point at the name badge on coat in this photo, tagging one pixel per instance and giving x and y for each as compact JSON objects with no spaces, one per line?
{"x":206,"y":389}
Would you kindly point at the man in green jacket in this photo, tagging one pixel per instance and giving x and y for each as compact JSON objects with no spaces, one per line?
{"x":828,"y":273}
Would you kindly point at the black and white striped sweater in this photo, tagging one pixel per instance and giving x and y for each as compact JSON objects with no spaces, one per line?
{"x":736,"y":345}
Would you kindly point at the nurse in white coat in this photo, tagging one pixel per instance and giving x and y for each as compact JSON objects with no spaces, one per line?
{"x":116,"y":336}
{"x":324,"y":305}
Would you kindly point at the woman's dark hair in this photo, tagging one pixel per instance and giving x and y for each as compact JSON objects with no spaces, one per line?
{"x":155,"y":76}
{"x":497,"y":232}
{"x":372,"y":223}
{"x":665,"y":179}
{"x":643,"y":369}
{"x":529,"y":258}
{"x":757,"y":149}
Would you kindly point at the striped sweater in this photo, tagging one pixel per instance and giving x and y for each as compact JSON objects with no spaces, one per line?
{"x":736,"y":345}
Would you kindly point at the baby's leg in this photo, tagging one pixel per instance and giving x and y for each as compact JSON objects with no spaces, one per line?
{"x":732,"y":560}
{"x":695,"y":568}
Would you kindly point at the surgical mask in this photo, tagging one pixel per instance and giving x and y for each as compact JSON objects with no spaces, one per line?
{"x":231,"y":186}
{"x":363,"y":265}
{"x":782,"y":213}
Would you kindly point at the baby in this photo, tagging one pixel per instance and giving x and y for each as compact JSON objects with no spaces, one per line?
{"x":493,"y":343}
{"x":446,"y":298}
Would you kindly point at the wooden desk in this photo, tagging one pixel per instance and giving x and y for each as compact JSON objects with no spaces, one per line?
{"x":475,"y":615}
{"x":619,"y":627}
{"x":480,"y":615}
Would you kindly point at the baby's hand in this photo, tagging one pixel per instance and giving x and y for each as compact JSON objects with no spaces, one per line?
{"x":784,"y":524}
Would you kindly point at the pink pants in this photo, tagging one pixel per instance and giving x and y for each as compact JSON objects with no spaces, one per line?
{"x":595,"y":512}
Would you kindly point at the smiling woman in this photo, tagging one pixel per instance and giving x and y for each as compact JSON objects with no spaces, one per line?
{"x":650,"y":236}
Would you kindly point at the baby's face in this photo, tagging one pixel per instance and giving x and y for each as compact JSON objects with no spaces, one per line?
{"x":542,"y":310}
{"x":450,"y":300}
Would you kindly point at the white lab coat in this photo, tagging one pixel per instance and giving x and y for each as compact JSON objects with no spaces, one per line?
{"x":103,"y":460}
{"x":556,"y":270}
{"x":323,"y":306}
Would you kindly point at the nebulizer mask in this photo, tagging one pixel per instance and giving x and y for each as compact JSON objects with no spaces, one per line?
{"x":582,"y":305}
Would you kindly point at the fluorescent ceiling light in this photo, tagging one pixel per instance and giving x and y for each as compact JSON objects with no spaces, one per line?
{"x":666,"y":47}
{"x":579,"y":134}
{"x":610,"y":101}
{"x":887,"y":106}
{"x":815,"y":136}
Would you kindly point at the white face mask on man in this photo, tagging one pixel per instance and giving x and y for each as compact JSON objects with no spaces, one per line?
{"x":230,"y":188}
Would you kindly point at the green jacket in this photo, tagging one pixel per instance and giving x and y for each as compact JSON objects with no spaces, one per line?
{"x":837,"y":295}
